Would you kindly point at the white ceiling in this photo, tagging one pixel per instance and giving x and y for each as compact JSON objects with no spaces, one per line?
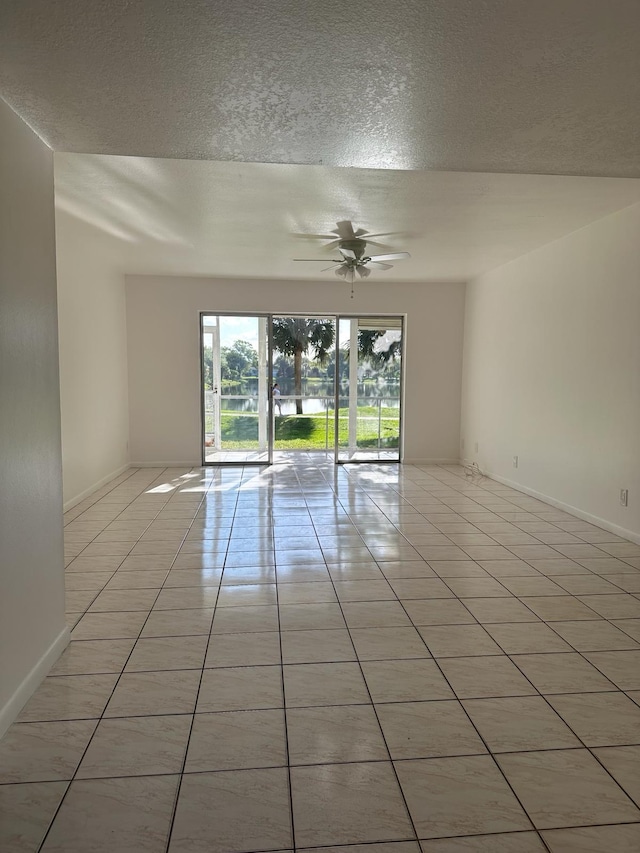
{"x":438,"y":104}
{"x":245,"y":219}
{"x":532,"y":86}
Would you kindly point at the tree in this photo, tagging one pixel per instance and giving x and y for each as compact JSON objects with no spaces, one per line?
{"x":371,"y":350}
{"x":281,"y":368}
{"x":294,"y":336}
{"x":240,"y":357}
{"x":343,"y":361}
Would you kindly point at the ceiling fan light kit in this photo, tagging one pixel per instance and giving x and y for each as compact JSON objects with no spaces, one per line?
{"x":352,"y":245}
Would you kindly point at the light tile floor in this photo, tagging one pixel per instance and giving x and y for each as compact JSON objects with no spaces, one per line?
{"x":303,"y":657}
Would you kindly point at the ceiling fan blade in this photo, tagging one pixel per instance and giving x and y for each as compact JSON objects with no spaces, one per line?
{"x":347,"y":253}
{"x":382,"y":266}
{"x":331,"y":241}
{"x":360,"y":232}
{"x":336,"y":264}
{"x":345,"y":230}
{"x":377,"y":243}
{"x":315,"y":260}
{"x":391,"y":256}
{"x":390,"y":234}
{"x":302,"y":236}
{"x":363,"y":272}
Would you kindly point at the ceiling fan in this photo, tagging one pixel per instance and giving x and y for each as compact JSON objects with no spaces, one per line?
{"x":352,"y":245}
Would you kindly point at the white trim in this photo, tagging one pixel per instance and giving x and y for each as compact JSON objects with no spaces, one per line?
{"x":573,"y":510}
{"x":32,"y":680}
{"x":194,"y":464}
{"x":78,"y":498}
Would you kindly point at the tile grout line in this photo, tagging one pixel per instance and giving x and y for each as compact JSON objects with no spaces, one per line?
{"x":118,"y":481}
{"x":496,"y":764}
{"x":84,"y":752}
{"x":181,"y":772}
{"x":101,"y":717}
{"x":553,"y":710}
{"x":400,"y":761}
{"x":373,"y":707}
{"x":489,"y":752}
{"x":292,"y":826}
{"x":352,"y":509}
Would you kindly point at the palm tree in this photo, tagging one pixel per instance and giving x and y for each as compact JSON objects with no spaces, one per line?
{"x":367,"y":351}
{"x":295,"y":336}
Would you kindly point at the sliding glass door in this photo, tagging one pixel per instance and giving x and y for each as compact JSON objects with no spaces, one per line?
{"x":370,"y":389}
{"x":303,"y":384}
{"x":286,"y":384}
{"x":236,"y":399}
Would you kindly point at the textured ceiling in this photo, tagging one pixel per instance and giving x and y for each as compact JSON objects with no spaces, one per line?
{"x":532,"y":86}
{"x":249,"y":219}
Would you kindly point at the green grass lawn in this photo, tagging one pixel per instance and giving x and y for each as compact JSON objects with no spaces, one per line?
{"x":239,"y":430}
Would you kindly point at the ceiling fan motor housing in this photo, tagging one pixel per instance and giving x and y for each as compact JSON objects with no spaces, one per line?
{"x":356,"y":245}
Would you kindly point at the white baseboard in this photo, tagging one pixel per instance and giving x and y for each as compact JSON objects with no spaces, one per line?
{"x":198,"y":464}
{"x":573,"y":510}
{"x":32,"y":680}
{"x":85,"y":494}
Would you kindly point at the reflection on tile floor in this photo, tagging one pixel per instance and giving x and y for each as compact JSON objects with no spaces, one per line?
{"x":300,"y":657}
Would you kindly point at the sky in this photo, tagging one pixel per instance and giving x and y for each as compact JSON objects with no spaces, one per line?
{"x":239,"y":329}
{"x":246,"y":329}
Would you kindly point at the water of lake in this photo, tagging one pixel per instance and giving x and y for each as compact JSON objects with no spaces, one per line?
{"x":318,"y":396}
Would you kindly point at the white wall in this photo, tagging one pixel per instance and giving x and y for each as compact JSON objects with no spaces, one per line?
{"x":164,"y":370}
{"x":552,"y":370}
{"x":32,"y":627}
{"x":93,"y":356}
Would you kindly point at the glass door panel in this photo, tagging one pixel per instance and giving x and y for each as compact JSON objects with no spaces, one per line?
{"x":303,"y":384}
{"x":369,"y":366}
{"x":235,"y":372}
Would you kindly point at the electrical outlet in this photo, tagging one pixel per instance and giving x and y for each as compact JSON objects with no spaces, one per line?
{"x":515,"y":461}
{"x":476,"y":446}
{"x":624,"y":497}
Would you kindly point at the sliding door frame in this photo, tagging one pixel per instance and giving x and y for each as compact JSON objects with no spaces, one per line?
{"x":270,"y":419}
{"x":337,"y":460}
{"x":260,"y":315}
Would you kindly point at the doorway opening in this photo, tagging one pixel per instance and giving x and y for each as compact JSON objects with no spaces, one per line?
{"x":276,"y":385}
